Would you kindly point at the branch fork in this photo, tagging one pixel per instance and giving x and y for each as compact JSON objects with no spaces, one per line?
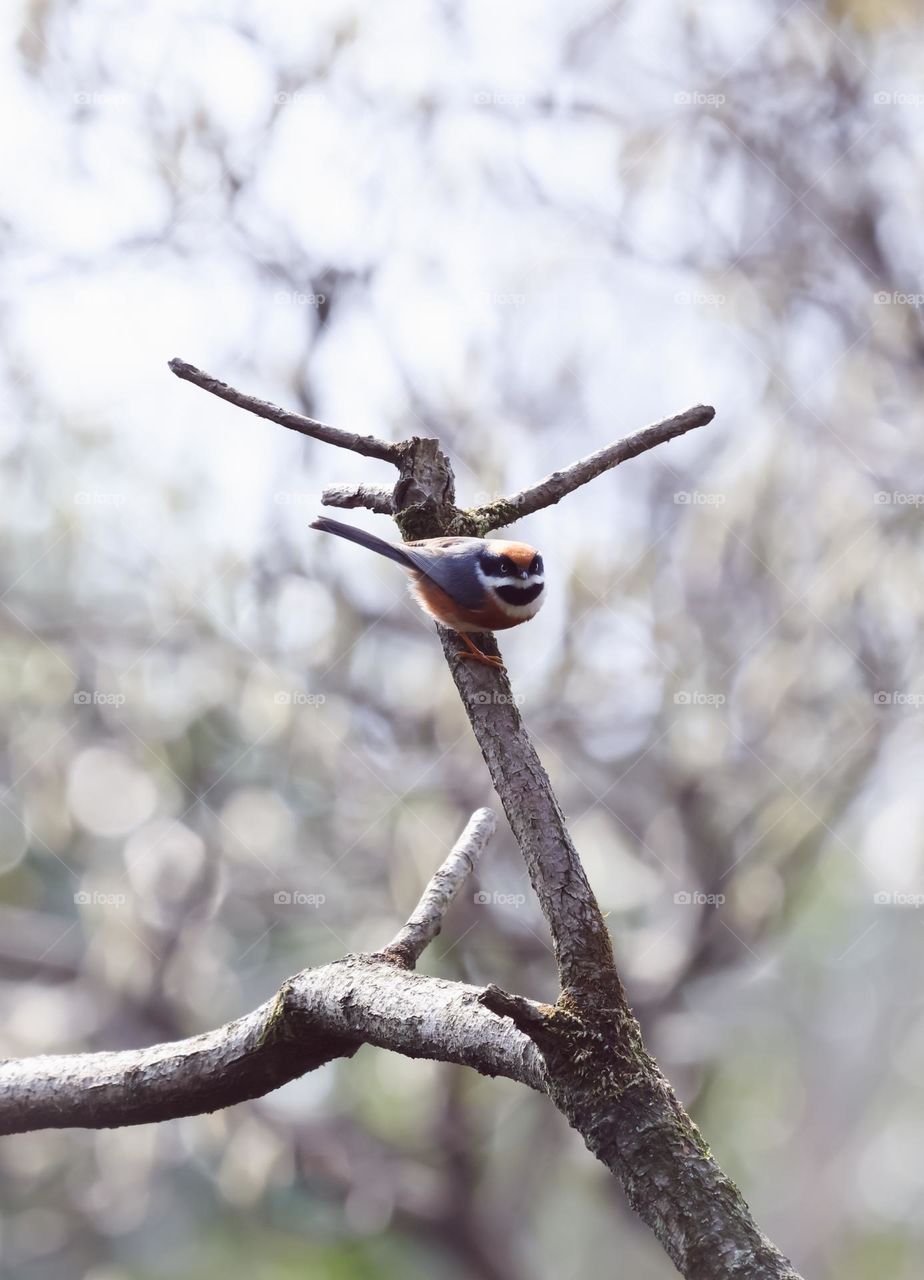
{"x":316,"y":1016}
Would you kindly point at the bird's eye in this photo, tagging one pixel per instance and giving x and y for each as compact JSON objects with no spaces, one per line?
{"x":505,"y":566}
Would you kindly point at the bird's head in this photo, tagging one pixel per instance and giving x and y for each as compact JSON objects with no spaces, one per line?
{"x":513,"y":574}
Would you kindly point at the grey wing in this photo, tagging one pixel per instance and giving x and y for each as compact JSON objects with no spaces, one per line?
{"x":449,"y":565}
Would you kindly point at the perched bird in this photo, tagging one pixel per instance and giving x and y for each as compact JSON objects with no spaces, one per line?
{"x":468,"y":584}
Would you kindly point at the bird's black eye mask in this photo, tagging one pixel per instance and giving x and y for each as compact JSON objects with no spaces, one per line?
{"x":495,"y":566}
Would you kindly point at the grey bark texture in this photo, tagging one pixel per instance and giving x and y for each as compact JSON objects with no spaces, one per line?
{"x":318,"y":1015}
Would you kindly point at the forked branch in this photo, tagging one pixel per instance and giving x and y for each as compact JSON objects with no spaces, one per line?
{"x":316,"y":1016}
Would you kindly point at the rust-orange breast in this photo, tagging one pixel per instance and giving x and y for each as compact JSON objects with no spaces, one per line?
{"x":435,"y":601}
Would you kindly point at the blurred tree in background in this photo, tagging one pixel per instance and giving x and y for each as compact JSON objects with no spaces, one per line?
{"x":527,"y":229}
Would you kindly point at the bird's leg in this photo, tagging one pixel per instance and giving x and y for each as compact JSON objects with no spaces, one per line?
{"x":473,"y":652}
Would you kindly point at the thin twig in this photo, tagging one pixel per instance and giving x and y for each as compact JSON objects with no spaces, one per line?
{"x":372,"y":496}
{"x":426,"y":921}
{"x":369,"y":446}
{"x":531,"y":1018}
{"x":560,"y":483}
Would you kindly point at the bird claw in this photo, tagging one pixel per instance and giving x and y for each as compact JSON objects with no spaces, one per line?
{"x":472,"y":651}
{"x":486,"y":659}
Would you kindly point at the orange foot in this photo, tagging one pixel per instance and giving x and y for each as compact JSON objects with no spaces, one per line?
{"x":471,"y":651}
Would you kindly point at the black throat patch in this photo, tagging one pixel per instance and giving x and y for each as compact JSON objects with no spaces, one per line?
{"x":519,"y":595}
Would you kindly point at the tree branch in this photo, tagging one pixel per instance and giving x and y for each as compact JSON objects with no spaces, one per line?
{"x":318,"y":1015}
{"x":560,"y":483}
{"x":426,"y":920}
{"x":583,"y":950}
{"x":369,"y":446}
{"x":602,"y":1078}
{"x":372,"y":496}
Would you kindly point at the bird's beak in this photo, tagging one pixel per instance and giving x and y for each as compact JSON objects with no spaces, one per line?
{"x":524,"y":573}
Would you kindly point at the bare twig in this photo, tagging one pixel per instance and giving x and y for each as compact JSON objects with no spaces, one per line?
{"x":372,"y":496}
{"x":369,"y":446}
{"x":427,"y":919}
{"x":560,"y":483}
{"x":531,"y":1018}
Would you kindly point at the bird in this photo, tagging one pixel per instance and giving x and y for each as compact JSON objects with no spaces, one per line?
{"x":467,"y":584}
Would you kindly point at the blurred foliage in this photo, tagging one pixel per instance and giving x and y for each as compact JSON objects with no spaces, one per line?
{"x":231,"y":749}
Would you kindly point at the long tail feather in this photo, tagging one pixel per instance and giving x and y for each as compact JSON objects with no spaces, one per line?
{"x":368,"y":540}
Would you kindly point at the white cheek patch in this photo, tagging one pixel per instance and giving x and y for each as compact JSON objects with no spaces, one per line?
{"x":507,"y":579}
{"x":492,"y":580}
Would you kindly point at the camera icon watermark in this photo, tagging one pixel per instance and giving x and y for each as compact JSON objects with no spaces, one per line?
{"x":98,"y":498}
{"x":293,"y":298}
{"x":86,"y":898}
{"x":692,"y":298}
{"x":698,"y":698}
{"x":97,"y":698}
{"x":490,"y":698}
{"x":507,"y":299}
{"x":295,"y":898}
{"x":100,"y":98}
{"x":896,"y":498}
{"x":696,"y":498}
{"x":499,"y":99}
{"x":483,"y":898}
{"x":696,"y":98}
{"x":897,"y":698}
{"x":883,"y":98}
{"x":898,"y":299}
{"x":286,"y":498}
